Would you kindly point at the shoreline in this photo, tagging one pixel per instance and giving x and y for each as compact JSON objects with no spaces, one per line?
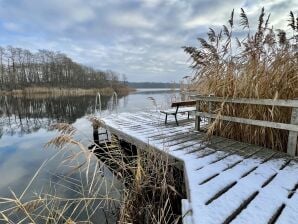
{"x":55,"y":91}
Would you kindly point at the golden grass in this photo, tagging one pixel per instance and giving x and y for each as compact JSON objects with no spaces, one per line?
{"x":153,"y":185}
{"x":262,"y":65}
{"x":149,"y":182}
{"x":44,"y":91}
{"x":151,"y":194}
{"x":82,"y":177}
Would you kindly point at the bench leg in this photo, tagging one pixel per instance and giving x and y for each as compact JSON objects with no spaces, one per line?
{"x":166,"y":119}
{"x":188,"y":116}
{"x":176,"y":119}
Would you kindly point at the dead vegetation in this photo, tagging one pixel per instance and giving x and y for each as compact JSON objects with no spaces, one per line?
{"x":76,"y":193}
{"x":238,"y":62}
{"x":151,"y":187}
{"x":53,"y":92}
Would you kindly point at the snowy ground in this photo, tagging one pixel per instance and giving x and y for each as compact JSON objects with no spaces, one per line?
{"x":228,"y":181}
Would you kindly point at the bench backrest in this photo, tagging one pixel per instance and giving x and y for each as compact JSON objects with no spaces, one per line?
{"x":292,"y":127}
{"x":184,"y":103}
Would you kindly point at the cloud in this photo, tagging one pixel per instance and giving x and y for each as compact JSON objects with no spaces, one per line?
{"x":130,"y":20}
{"x":141,"y":38}
{"x":10,"y":26}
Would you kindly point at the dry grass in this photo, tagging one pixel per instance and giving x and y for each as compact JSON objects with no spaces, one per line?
{"x":76,"y":195}
{"x":107,"y":91}
{"x":151,"y":185}
{"x":152,"y":195}
{"x":263,"y":64}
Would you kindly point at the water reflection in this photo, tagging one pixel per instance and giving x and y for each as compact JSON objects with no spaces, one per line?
{"x":26,"y":115}
{"x":24,"y":129}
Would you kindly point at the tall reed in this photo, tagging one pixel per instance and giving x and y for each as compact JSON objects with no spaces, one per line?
{"x":154,"y":186}
{"x":77,"y":192}
{"x":240,"y":61}
{"x":151,"y":187}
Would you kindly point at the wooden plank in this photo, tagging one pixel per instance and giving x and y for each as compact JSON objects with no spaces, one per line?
{"x":275,"y":182}
{"x":290,"y":212}
{"x":159,"y":123}
{"x":186,"y":145}
{"x":167,"y":133}
{"x":198,"y":118}
{"x":184,"y":103}
{"x":223,"y":172}
{"x":188,"y":138}
{"x":136,"y":141}
{"x":268,"y":102}
{"x":236,"y":201}
{"x":173,"y":138}
{"x":206,"y":145}
{"x":269,"y":124}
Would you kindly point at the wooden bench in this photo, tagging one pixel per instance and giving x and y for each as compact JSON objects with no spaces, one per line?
{"x":180,"y":107}
{"x":292,"y":127}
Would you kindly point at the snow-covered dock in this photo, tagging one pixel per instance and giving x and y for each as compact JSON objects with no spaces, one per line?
{"x":227,"y":181}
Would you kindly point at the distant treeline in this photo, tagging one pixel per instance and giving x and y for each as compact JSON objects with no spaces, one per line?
{"x":152,"y":85}
{"x":20,"y":68}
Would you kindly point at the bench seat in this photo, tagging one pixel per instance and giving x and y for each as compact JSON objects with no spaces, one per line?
{"x":179,"y":107}
{"x":180,"y":110}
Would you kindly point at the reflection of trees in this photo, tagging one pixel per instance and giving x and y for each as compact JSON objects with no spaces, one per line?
{"x":150,"y":92}
{"x":26,"y":115}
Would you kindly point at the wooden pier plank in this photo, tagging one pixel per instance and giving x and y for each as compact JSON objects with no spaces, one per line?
{"x":227,"y":181}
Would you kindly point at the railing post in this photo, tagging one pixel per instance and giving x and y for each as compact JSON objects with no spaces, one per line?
{"x":210,"y":108}
{"x":292,"y":140}
{"x":198,"y":118}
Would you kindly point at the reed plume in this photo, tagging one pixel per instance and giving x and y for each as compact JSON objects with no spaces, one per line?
{"x":263,"y":64}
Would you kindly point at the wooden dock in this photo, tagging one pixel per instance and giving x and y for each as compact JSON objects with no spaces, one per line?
{"x":227,"y":181}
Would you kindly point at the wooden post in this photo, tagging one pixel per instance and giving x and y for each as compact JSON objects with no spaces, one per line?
{"x":198,"y":118}
{"x":210,"y":108}
{"x":292,"y":140}
{"x":95,"y":135}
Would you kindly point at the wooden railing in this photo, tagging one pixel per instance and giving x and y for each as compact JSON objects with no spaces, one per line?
{"x":292,"y":127}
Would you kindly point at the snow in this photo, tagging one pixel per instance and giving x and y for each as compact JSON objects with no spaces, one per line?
{"x":181,"y":110}
{"x":209,"y":171}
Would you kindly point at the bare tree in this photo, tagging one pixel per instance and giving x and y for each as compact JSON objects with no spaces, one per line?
{"x":20,"y":68}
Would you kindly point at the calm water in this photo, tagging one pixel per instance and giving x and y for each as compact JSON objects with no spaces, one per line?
{"x":24,"y":130}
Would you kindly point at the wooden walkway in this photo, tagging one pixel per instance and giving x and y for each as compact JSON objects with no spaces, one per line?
{"x":227,"y":181}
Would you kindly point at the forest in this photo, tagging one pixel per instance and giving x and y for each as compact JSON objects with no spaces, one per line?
{"x":21,"y":68}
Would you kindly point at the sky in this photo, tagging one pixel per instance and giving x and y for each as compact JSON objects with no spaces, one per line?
{"x":139,"y":38}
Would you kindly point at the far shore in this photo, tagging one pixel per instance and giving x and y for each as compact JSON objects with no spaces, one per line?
{"x":56,"y":91}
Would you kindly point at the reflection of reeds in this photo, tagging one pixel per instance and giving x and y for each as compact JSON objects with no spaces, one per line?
{"x":263,"y":64}
{"x":51,"y":92}
{"x":77,"y":194}
{"x":153,"y":101}
{"x":148,"y":179}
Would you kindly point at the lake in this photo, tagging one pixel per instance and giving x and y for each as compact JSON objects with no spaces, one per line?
{"x":25,"y":129}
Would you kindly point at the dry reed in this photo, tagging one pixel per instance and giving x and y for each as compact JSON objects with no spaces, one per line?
{"x":151,"y":195}
{"x":261,"y":64}
{"x":51,"y":92}
{"x":152,"y":186}
{"x":75,"y":194}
